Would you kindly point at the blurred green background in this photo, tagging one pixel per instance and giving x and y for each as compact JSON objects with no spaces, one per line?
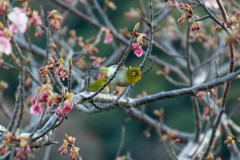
{"x":99,"y":135}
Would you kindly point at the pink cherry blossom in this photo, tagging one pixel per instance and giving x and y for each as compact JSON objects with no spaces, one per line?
{"x":134,"y":46}
{"x":138,"y":52}
{"x":138,"y":49}
{"x":67,"y":108}
{"x":19,"y":20}
{"x":36,"y":109}
{"x":5,"y":46}
{"x":108,"y":38}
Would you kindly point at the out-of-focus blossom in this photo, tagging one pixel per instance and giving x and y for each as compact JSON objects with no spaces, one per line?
{"x":108,"y":38}
{"x":55,"y":19}
{"x":19,"y":20}
{"x":36,"y":19}
{"x":205,"y":111}
{"x":89,"y":49}
{"x":133,"y":13}
{"x":97,"y":60}
{"x":3,"y":6}
{"x":38,"y":32}
{"x":110,"y":4}
{"x":5,"y":46}
{"x":238,"y":17}
{"x":211,"y":4}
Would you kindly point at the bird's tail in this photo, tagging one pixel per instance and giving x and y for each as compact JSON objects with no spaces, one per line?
{"x":103,"y":70}
{"x":95,"y":68}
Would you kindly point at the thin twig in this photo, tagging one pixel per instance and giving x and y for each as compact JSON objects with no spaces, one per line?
{"x":69,"y":75}
{"x":88,"y":80}
{"x":150,"y":26}
{"x":223,"y":104}
{"x":123,"y":130}
{"x":213,"y":17}
{"x":223,"y":11}
{"x":150,"y":67}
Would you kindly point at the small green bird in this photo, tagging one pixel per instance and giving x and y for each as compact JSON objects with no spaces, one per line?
{"x":125,"y":76}
{"x":98,"y":84}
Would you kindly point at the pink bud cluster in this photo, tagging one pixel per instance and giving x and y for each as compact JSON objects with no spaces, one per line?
{"x":8,"y":139}
{"x":3,"y":6}
{"x":230,"y":141}
{"x":89,"y":49}
{"x":138,"y":45}
{"x":59,"y":67}
{"x":186,"y":7}
{"x":68,"y":104}
{"x":181,"y":20}
{"x":69,"y":142}
{"x":45,"y":96}
{"x":97,"y":61}
{"x":55,"y":19}
{"x":108,"y":36}
{"x":25,"y":148}
{"x":195,"y":25}
{"x":36,"y":20}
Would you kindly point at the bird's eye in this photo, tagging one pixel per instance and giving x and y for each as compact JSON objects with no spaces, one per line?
{"x":134,"y":73}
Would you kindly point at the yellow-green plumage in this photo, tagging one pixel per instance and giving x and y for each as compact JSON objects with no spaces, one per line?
{"x":98,"y":84}
{"x":133,"y":75}
{"x":126,"y":76}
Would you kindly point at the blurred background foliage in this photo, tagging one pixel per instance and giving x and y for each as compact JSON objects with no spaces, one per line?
{"x":99,"y":135}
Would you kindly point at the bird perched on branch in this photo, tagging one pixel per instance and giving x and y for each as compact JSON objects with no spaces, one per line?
{"x":125,"y":76}
{"x":98,"y":84}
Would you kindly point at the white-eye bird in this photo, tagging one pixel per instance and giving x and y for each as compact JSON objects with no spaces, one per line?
{"x":125,"y":76}
{"x":98,"y":84}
